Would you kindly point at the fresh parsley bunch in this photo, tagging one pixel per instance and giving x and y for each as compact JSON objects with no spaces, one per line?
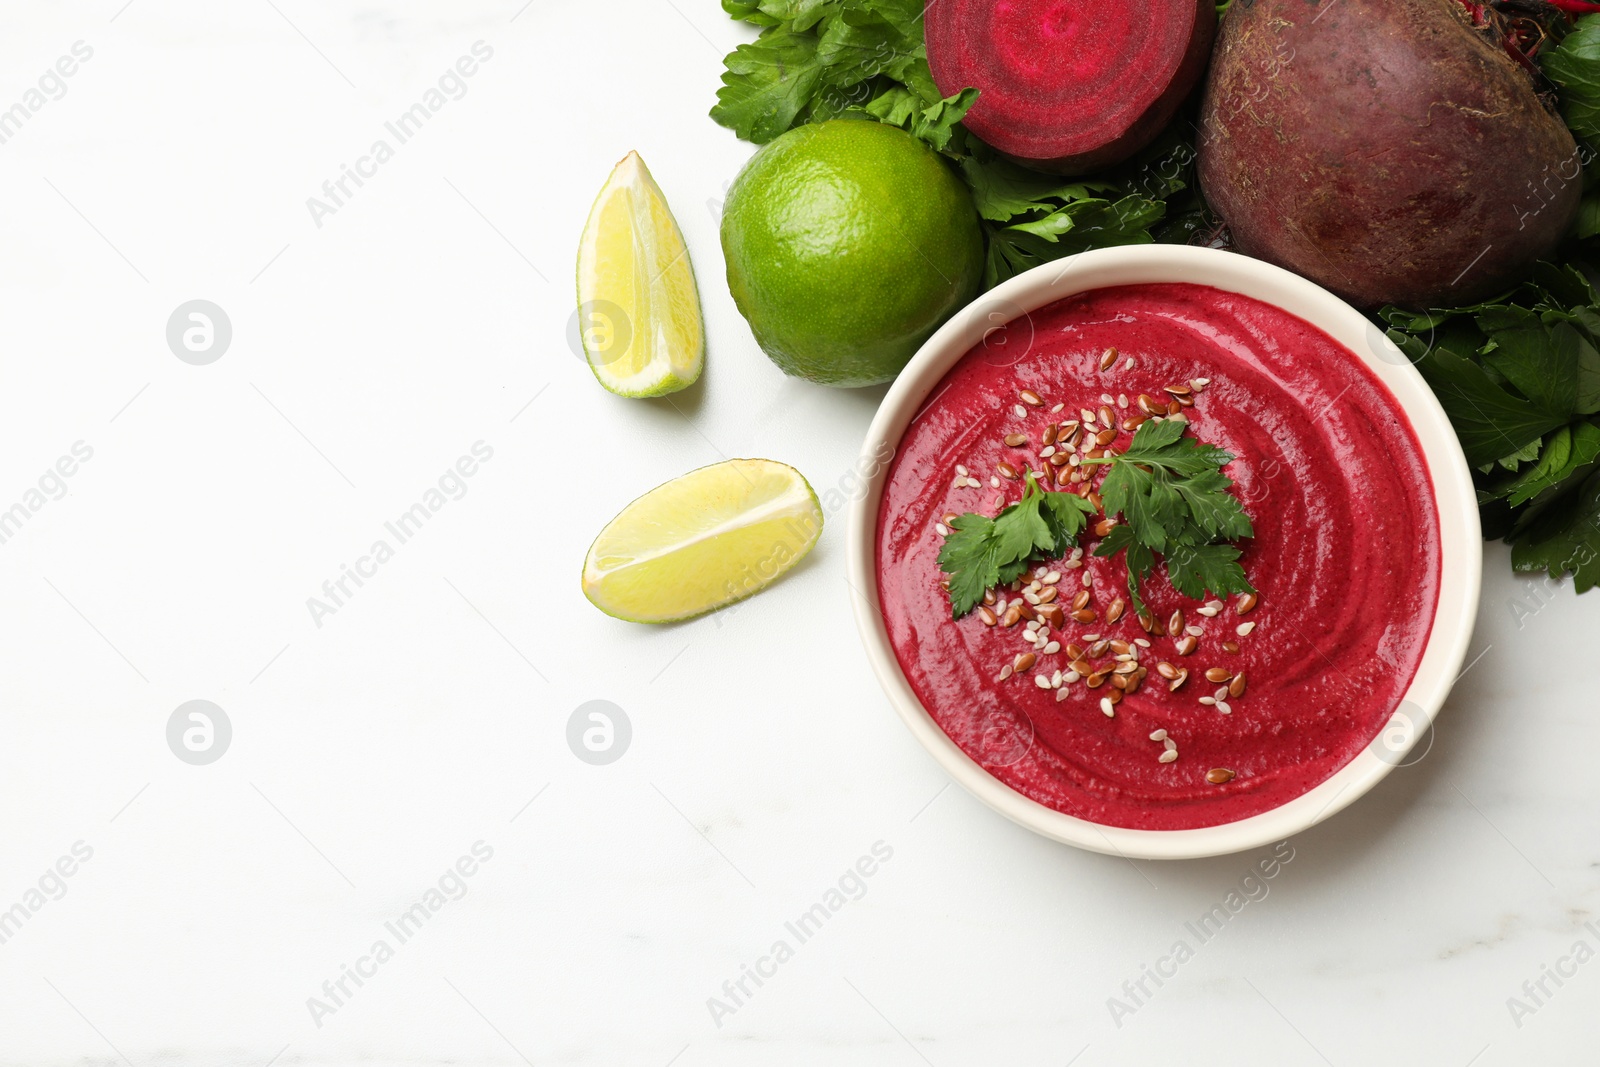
{"x":1520,"y":379}
{"x":824,"y":59}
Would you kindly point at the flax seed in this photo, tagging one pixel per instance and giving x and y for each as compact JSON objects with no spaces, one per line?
{"x":1186,"y":645}
{"x":1108,"y":359}
{"x":1175,"y":623}
{"x":1231,"y":647}
{"x":1105,"y":437}
{"x":1031,"y":398}
{"x":1107,"y":416}
{"x":1246,"y":603}
{"x":1016,"y":440}
{"x":1166,"y":670}
{"x":1219,"y":776}
{"x":1114,"y":612}
{"x":1218,"y":674}
{"x":1183,"y":676}
{"x":1237,"y":686}
{"x":1049,"y":437}
{"x":1024,"y":661}
{"x":1084,"y":616}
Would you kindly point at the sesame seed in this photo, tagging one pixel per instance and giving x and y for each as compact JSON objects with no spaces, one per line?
{"x":1129,"y":364}
{"x":1194,"y":631}
{"x":1005,"y":672}
{"x":994,"y":482}
{"x":1122,"y":400}
{"x":1062,"y":694}
{"x":1169,"y":755}
{"x":1208,"y":701}
{"x":962,"y":470}
{"x":1244,"y":628}
{"x":1070,"y":677}
{"x":1047,"y":451}
{"x":1052,"y":648}
{"x":1224,"y":707}
{"x":1108,"y":707}
{"x":1052,"y":578}
{"x":1057,"y":408}
{"x":943,"y":530}
{"x":1041,"y":681}
{"x":1172,"y":746}
{"x":1158,"y":735}
{"x":973,"y":483}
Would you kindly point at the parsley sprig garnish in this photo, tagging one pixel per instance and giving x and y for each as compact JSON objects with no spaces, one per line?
{"x":982,"y":553}
{"x":1170,"y":496}
{"x":1173,"y":499}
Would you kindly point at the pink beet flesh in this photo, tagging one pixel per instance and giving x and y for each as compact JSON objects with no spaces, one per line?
{"x":1069,"y":86}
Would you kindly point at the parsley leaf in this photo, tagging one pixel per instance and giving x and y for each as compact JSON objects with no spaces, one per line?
{"x":1172,"y":498}
{"x":1520,"y":379}
{"x":1565,"y":538}
{"x":981,"y":553}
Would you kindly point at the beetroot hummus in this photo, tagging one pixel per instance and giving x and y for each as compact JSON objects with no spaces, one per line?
{"x":1345,"y":561}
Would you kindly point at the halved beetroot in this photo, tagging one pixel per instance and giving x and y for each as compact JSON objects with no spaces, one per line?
{"x":1070,"y":86}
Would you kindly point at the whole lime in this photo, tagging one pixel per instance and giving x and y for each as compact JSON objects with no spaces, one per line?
{"x":848,"y":243}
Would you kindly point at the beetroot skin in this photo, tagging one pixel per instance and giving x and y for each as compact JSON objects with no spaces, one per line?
{"x":1069,"y":86}
{"x":1387,"y":149}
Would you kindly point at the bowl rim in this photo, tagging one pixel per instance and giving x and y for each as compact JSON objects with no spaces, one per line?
{"x":1461,"y":547}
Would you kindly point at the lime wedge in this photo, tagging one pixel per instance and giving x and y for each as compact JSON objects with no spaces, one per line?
{"x":702,"y":541}
{"x":638,"y":308}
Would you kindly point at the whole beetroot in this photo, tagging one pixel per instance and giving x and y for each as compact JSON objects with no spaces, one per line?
{"x":1393,"y":151}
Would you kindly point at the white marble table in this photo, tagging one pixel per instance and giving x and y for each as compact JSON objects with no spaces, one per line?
{"x":427,"y":714}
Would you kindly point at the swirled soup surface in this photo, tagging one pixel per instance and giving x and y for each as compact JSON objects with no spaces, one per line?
{"x":1345,"y":559}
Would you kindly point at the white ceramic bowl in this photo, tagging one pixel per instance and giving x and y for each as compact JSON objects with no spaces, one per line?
{"x":1461,"y":545}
